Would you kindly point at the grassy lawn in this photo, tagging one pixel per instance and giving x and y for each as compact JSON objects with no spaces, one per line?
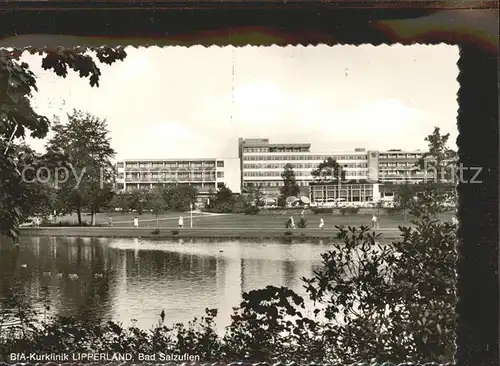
{"x":203,"y":220}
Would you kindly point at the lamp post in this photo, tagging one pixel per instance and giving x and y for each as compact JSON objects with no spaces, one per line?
{"x":191,"y":215}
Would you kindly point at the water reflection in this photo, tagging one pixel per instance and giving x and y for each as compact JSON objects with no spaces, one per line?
{"x":135,"y":279}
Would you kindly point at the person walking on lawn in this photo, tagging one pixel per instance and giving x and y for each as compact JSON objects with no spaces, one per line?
{"x":321,"y":223}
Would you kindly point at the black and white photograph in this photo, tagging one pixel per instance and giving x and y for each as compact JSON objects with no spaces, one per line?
{"x":269,"y":204}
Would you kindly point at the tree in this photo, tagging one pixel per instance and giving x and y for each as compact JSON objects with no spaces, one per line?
{"x":429,"y":201}
{"x":290,"y":186}
{"x":328,"y":171}
{"x":392,"y":303}
{"x":17,"y":116}
{"x":137,"y":201}
{"x":156,"y":203}
{"x":179,"y":197}
{"x":404,"y":198}
{"x":439,"y":159}
{"x":223,"y":200}
{"x":120,"y":201}
{"x":87,"y":146}
{"x":255,"y":196}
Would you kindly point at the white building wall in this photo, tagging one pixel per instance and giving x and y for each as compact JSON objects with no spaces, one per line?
{"x":231,"y":174}
{"x":272,"y":164}
{"x":376,"y":192}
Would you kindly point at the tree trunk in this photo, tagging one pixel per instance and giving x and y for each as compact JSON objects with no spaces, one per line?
{"x":79,"y":215}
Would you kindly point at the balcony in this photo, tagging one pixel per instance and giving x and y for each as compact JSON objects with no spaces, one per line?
{"x":149,"y":179}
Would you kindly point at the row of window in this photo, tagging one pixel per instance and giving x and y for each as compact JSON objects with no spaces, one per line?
{"x":170,"y":164}
{"x":343,"y":187}
{"x":400,"y":156}
{"x":304,"y":157}
{"x":399,"y":164}
{"x":133,"y":187}
{"x":299,"y":166}
{"x":298,"y":174}
{"x":274,"y":149}
{"x":385,"y":173}
{"x":271,"y":184}
{"x":170,"y":178}
{"x":173,"y":169}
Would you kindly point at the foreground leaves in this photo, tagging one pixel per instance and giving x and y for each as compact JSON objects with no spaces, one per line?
{"x":18,"y":119}
{"x":392,"y":302}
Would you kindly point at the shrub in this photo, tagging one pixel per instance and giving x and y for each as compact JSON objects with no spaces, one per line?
{"x":393,"y":210}
{"x":155,"y":232}
{"x":175,"y":232}
{"x":251,"y":210}
{"x":321,"y":210}
{"x":65,"y":223}
{"x":406,"y":291}
{"x":410,"y":282}
{"x":302,"y":223}
{"x":349,"y":210}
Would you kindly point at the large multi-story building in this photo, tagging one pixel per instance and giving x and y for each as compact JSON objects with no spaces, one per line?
{"x":397,"y":166}
{"x":204,"y":174}
{"x":262,"y":163}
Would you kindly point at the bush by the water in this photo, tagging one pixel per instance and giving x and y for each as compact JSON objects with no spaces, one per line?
{"x":251,"y":210}
{"x":155,"y":232}
{"x":175,"y":232}
{"x":407,"y":293}
{"x":63,"y":223}
{"x":393,"y":210}
{"x":349,"y":210}
{"x":321,"y":210}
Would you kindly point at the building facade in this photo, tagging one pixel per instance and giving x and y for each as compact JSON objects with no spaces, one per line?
{"x":400,"y":166}
{"x":262,"y":163}
{"x":203,"y":174}
{"x":331,"y":193}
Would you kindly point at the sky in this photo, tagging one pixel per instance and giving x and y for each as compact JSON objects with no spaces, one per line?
{"x":178,"y":102}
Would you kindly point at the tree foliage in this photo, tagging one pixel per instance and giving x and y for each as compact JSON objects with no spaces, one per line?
{"x":372,"y":302}
{"x":404,"y":198}
{"x":85,"y":141}
{"x":254,"y":196}
{"x":156,"y":203}
{"x":18,"y":118}
{"x":223,"y":200}
{"x":289,"y":187}
{"x":328,"y":171}
{"x":137,"y":200}
{"x":179,"y":197}
{"x":440,"y":159}
{"x":120,"y":202}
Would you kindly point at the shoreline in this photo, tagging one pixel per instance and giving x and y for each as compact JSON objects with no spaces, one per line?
{"x":195,"y":233}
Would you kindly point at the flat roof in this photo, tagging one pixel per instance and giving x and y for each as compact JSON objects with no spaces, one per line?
{"x":307,"y":153}
{"x":290,"y":145}
{"x":399,"y":151}
{"x":172,"y":159}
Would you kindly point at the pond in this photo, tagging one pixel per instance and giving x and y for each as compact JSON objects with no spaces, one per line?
{"x":133,"y":280}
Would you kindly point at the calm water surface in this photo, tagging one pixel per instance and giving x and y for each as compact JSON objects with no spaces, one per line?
{"x":132,"y":280}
